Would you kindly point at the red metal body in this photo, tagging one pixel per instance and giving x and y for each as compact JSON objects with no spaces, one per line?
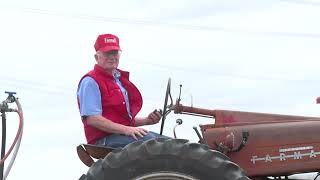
{"x":277,"y":144}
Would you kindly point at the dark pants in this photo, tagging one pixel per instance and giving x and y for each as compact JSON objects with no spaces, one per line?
{"x":120,"y":141}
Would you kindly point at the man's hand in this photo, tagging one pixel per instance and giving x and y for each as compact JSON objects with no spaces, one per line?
{"x":135,"y":132}
{"x":154,"y":117}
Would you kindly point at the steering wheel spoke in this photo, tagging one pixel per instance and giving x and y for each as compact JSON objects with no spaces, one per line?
{"x":166,"y":108}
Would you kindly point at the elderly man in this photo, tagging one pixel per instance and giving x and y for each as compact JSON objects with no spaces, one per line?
{"x":109,"y":101}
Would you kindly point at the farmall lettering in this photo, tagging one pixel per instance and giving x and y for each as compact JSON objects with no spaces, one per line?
{"x":110,"y":40}
{"x":297,"y":153}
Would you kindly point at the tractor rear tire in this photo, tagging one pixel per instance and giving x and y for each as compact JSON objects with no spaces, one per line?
{"x":170,"y":159}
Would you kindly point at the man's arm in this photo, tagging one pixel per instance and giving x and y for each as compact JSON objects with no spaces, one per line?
{"x":153,"y":118}
{"x":141,"y":121}
{"x":107,"y":125}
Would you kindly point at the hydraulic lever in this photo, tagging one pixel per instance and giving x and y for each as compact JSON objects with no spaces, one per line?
{"x":178,"y":122}
{"x":199,"y":136}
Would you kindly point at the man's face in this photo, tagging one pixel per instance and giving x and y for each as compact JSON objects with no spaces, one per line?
{"x":109,"y":61}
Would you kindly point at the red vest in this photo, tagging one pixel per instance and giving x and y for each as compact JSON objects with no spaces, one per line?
{"x":112,"y":100}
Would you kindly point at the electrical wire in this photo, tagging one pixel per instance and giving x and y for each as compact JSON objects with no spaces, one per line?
{"x":213,"y":74}
{"x":158,"y":23}
{"x":38,"y":86}
{"x":60,"y":90}
{"x":312,"y":3}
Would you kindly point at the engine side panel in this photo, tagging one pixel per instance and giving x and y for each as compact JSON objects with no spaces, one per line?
{"x":272,"y":148}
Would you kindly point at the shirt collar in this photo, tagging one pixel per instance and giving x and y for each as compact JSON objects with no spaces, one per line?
{"x":117,"y":74}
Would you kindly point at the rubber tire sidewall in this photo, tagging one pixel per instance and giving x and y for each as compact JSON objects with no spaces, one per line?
{"x":165,"y":155}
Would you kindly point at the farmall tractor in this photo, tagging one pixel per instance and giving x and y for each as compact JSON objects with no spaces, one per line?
{"x":238,"y":146}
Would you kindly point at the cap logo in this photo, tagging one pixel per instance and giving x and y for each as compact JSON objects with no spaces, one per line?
{"x":110,"y":40}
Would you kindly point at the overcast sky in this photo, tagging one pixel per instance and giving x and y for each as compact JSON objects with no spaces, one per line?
{"x":240,"y":55}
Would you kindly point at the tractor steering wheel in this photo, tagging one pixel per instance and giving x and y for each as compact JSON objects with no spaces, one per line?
{"x":166,"y":108}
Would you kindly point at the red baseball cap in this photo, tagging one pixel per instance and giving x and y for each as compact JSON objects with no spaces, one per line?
{"x":107,"y":42}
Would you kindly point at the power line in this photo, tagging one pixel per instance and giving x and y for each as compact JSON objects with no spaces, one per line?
{"x":37,"y":87}
{"x":61,"y":90}
{"x":223,"y":75}
{"x":312,"y":3}
{"x":171,"y":25}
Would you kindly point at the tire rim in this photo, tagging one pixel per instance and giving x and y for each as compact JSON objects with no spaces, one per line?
{"x":165,"y":175}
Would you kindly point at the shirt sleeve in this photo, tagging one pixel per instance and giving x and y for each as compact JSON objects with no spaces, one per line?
{"x":89,"y":97}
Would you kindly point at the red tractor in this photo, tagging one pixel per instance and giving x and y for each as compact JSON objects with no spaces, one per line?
{"x":238,"y":146}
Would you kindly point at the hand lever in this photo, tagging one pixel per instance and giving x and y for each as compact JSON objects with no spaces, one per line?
{"x":178,"y":122}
